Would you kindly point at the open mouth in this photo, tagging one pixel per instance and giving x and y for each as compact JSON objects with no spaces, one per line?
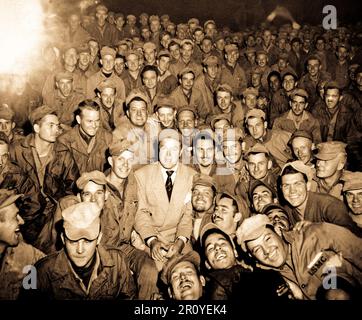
{"x":220,"y":256}
{"x":186,"y":285}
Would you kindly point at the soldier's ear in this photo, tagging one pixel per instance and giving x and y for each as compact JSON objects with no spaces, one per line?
{"x":13,"y":124}
{"x":62,"y":237}
{"x":270,"y":164}
{"x":79,"y":197}
{"x":202,"y":280}
{"x":36,"y":128}
{"x":77,"y":117}
{"x":106,"y":195}
{"x":237,"y":217}
{"x":169,"y":292}
{"x":110,"y":161}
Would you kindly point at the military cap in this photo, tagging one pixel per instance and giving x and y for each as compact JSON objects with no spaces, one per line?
{"x":118,"y":15}
{"x":239,"y":201}
{"x":165,"y":17}
{"x":101,"y":7}
{"x":259,"y":52}
{"x":256,"y":70}
{"x":314,"y":57}
{"x":95,"y":176}
{"x":6,"y":112}
{"x":40,"y":112}
{"x":283,"y":55}
{"x":250,"y":50}
{"x":63,"y":75}
{"x":201,"y":179}
{"x":165,"y":101}
{"x":343,"y":45}
{"x":219,"y":36}
{"x":122,"y":42}
{"x":154,"y":18}
{"x":82,"y":220}
{"x":209,"y":22}
{"x":185,"y":71}
{"x":352,"y":180}
{"x":329,"y":150}
{"x":164,"y":53}
{"x":299,"y":92}
{"x":108,"y":51}
{"x":300,"y":167}
{"x":256,"y":183}
{"x":257,"y":148}
{"x":331,"y":85}
{"x":169,"y":134}
{"x":107,"y":83}
{"x":252,"y":91}
{"x":251,"y":229}
{"x":131,"y":16}
{"x":224,"y":87}
{"x":83,"y":48}
{"x":8,"y":197}
{"x":144,"y":14}
{"x":187,"y":108}
{"x":211,"y":228}
{"x":231,"y":47}
{"x":211,"y":61}
{"x":198,"y":28}
{"x":118,"y":147}
{"x":136,"y":94}
{"x":149,"y":46}
{"x":256,"y":113}
{"x":217,"y":118}
{"x":187,"y":41}
{"x":135,"y":52}
{"x":232,"y":134}
{"x":300,"y":134}
{"x":271,"y":206}
{"x":182,"y":26}
{"x":145,"y":27}
{"x":191,"y":256}
{"x":193,"y":20}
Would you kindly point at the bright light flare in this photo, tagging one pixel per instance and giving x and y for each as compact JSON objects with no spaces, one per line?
{"x":21,"y":31}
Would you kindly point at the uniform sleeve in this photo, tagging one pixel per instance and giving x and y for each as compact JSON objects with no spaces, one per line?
{"x":341,"y":240}
{"x":337,"y":213}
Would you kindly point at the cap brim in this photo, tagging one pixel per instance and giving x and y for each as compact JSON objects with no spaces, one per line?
{"x":10,"y":200}
{"x":74,"y":234}
{"x":325,"y":156}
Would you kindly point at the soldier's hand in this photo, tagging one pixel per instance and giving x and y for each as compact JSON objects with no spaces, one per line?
{"x":158,"y":250}
{"x":175,"y":248}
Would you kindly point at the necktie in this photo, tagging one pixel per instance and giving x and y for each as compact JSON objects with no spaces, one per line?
{"x":168,"y":184}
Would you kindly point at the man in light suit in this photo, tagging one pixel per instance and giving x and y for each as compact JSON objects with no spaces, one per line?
{"x":164,"y":215}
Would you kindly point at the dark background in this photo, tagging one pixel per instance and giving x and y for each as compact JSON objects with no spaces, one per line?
{"x":233,"y":13}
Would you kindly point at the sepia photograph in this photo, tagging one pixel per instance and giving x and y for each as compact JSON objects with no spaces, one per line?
{"x":194,"y":156}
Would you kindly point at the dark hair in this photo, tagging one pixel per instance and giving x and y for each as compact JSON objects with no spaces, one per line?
{"x":120,"y":56}
{"x":149,"y":68}
{"x":291,"y":170}
{"x":234,"y":204}
{"x":274,"y":74}
{"x":172,"y":43}
{"x":290,"y":74}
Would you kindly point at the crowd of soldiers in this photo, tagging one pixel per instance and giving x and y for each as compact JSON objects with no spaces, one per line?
{"x":149,"y":160}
